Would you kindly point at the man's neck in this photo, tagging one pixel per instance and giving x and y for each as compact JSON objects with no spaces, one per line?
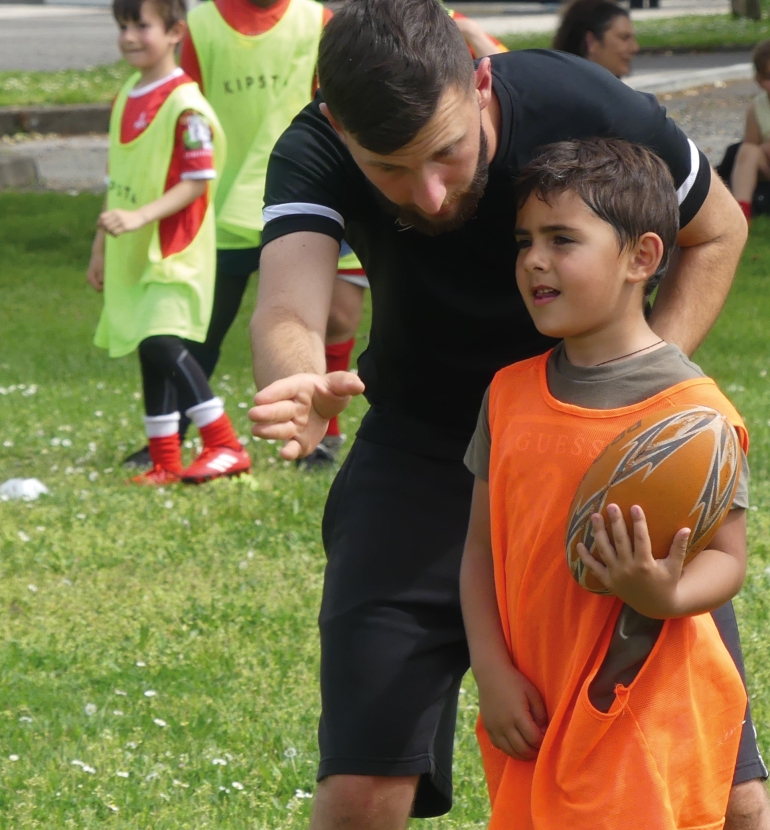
{"x":491,"y":121}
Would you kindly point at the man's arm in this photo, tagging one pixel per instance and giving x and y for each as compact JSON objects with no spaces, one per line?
{"x":296,"y":398}
{"x":694,"y":290}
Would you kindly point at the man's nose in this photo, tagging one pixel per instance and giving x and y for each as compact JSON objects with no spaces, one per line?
{"x":429,"y":192}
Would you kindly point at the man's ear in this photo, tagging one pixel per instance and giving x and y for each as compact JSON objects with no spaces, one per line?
{"x":482,"y":80}
{"x":336,"y":126}
{"x":645,"y":257}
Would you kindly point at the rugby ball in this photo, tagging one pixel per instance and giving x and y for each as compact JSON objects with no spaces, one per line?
{"x":680,"y":465}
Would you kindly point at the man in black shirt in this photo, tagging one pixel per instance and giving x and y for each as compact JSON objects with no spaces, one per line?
{"x":411,"y":155}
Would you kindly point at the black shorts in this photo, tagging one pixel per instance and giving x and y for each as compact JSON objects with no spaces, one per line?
{"x":393,"y":649}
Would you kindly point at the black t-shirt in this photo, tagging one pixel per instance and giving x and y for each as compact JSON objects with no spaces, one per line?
{"x":446,"y":312}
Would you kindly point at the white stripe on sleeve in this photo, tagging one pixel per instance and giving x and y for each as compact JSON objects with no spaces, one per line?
{"x":687,"y":184}
{"x":300,"y":208}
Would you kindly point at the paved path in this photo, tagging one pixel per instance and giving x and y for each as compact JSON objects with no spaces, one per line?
{"x":712,"y":116}
{"x":74,"y":37}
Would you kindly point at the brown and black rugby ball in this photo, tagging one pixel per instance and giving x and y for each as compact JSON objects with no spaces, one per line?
{"x":680,"y":465}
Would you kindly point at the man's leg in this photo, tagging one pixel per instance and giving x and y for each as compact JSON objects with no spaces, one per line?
{"x":352,"y":801}
{"x":393,"y":650}
{"x":748,"y":807}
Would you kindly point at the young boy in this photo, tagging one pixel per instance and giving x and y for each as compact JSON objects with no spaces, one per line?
{"x":154,"y":251}
{"x":599,"y":712}
{"x":752,"y":161}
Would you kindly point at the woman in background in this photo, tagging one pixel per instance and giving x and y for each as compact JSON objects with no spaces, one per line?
{"x":600,"y":31}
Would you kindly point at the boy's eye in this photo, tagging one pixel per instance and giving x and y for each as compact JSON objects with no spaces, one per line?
{"x":524,"y":243}
{"x":562,"y":240}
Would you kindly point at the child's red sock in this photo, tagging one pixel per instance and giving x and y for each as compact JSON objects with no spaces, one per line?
{"x":338,"y":360}
{"x":220,"y":433}
{"x":166,"y":452}
{"x":746,"y":208}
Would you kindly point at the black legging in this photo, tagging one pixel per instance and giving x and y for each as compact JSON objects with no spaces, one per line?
{"x":170,"y":375}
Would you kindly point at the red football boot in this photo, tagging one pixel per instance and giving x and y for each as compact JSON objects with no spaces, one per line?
{"x":222,"y":454}
{"x":166,"y":454}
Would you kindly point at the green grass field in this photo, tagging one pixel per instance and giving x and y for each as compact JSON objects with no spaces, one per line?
{"x":158,"y":649}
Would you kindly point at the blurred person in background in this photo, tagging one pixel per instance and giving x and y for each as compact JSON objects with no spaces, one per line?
{"x":600,"y":31}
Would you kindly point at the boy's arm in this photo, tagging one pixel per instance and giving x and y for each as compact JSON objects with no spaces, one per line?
{"x":512,"y":710}
{"x":479,"y":42}
{"x":662,"y":588}
{"x":177,"y":198}
{"x":95,"y":273}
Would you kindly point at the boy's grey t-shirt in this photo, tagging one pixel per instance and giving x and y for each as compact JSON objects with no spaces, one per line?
{"x":618,"y":384}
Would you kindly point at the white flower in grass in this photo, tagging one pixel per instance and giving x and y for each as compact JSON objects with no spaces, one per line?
{"x":8,"y":443}
{"x":32,"y":588}
{"x":219,"y":762}
{"x":118,"y":713}
{"x":80,"y":516}
{"x":40,"y":528}
{"x":76,"y":763}
{"x":122,"y":774}
{"x":290,"y":752}
{"x":89,"y":770}
{"x":93,"y":475}
{"x":13,"y":758}
{"x":302,"y":794}
{"x":243,"y":405}
{"x":224,"y":790}
{"x":150,"y":693}
{"x":236,"y":785}
{"x":25,"y":719}
{"x":66,"y":442}
{"x":121,"y":693}
{"x":159,"y":722}
{"x":132,"y":745}
{"x":177,"y":783}
{"x":90,"y":709}
{"x":141,"y":664}
{"x":23,"y":536}
{"x":112,"y":808}
{"x":168,"y":504}
{"x":152,"y":776}
{"x":98,"y":413}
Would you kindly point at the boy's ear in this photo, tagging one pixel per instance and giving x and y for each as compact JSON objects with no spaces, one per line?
{"x":178,"y":31}
{"x":336,"y":126}
{"x":644,"y":257}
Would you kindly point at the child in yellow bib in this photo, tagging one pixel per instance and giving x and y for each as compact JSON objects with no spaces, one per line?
{"x":598,"y":712}
{"x":154,"y":251}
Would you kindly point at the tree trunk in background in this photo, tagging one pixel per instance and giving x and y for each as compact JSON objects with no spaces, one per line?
{"x":746,"y":8}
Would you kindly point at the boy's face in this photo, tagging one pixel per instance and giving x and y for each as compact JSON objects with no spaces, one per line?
{"x":146,"y":42}
{"x":570,"y":270}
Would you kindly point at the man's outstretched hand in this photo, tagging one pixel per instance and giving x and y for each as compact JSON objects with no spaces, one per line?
{"x":297,"y":409}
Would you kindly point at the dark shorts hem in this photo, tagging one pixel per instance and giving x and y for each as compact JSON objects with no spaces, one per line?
{"x":430,"y":802}
{"x":750,"y":770}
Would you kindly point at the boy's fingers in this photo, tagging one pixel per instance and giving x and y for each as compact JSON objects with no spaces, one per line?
{"x":619,"y":530}
{"x":529,"y":731}
{"x":601,"y":537}
{"x":642,"y":544}
{"x":280,"y":412}
{"x":678,"y":549}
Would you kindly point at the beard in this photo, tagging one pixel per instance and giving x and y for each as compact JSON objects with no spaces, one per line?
{"x":463,"y":205}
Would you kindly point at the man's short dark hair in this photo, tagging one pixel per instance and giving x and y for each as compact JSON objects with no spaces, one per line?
{"x":383,"y":66}
{"x":626,"y":185}
{"x":761,"y":56}
{"x":171,"y":12}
